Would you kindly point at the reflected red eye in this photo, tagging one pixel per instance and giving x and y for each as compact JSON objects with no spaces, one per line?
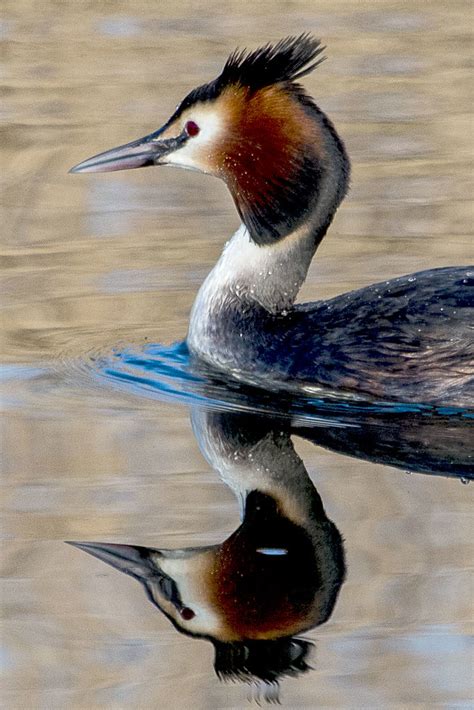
{"x":191,"y":128}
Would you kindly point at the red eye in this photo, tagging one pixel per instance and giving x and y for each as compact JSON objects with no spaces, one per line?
{"x":187,"y":614}
{"x":191,"y":128}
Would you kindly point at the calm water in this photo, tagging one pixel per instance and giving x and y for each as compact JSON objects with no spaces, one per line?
{"x":109,"y":437}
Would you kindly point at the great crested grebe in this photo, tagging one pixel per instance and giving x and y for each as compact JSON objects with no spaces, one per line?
{"x":409,"y":339}
{"x":277,"y":575}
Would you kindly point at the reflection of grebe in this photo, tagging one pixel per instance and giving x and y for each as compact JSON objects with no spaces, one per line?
{"x":409,"y":339}
{"x":277,"y":575}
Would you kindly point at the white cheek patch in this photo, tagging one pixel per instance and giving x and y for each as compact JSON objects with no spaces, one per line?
{"x":191,"y":582}
{"x":197,"y":152}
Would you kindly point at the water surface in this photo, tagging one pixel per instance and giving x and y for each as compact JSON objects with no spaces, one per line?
{"x":98,"y":267}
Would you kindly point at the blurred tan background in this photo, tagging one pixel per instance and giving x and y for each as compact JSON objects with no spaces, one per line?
{"x":92,"y":261}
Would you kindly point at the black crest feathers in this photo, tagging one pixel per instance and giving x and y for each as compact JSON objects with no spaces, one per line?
{"x":287,"y":60}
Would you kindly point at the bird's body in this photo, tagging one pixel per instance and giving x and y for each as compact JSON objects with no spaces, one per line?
{"x":409,"y":339}
{"x":393,"y":339}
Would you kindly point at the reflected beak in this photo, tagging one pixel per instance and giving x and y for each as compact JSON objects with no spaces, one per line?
{"x":131,"y":559}
{"x":138,"y":154}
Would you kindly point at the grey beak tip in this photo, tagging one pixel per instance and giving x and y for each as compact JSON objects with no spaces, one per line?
{"x":79,"y":168}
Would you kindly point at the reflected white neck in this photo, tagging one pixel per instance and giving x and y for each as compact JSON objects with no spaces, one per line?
{"x":270,"y":465}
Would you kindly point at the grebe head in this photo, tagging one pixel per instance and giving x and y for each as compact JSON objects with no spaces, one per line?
{"x":256,"y":128}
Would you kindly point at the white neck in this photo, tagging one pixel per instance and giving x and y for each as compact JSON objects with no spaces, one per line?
{"x":268,"y":276}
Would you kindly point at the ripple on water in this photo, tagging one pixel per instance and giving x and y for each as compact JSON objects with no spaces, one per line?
{"x":168,"y":371}
{"x":416,"y":437}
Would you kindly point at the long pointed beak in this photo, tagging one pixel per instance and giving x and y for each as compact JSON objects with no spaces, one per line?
{"x":140,"y":153}
{"x":131,"y":559}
